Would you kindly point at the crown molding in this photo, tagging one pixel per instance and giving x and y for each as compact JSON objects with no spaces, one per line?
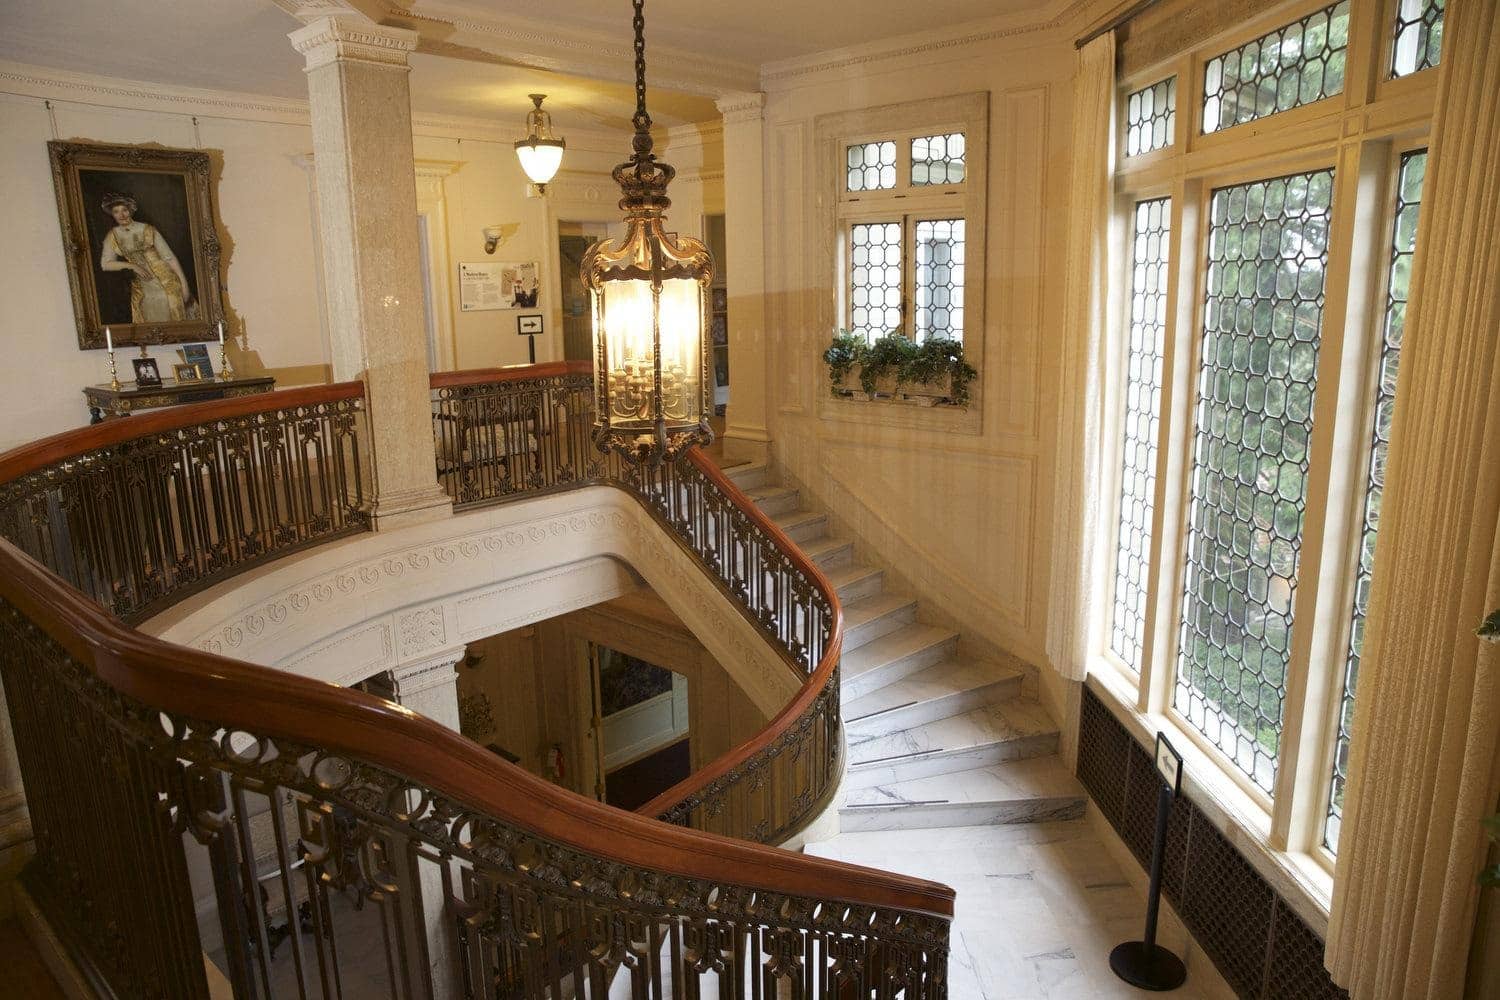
{"x":785,"y":73}
{"x":743,"y":107}
{"x":44,"y":83}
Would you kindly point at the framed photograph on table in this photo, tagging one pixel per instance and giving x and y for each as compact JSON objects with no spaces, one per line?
{"x":186,"y":373}
{"x":141,"y":242}
{"x":147,"y":376}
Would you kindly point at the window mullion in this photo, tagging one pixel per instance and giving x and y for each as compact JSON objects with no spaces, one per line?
{"x":1174,"y":447}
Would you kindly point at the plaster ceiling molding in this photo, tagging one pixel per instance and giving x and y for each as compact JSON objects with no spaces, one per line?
{"x":1049,"y":15}
{"x":47,"y":83}
{"x":308,"y":11}
{"x":745,"y":107}
{"x":347,"y":39}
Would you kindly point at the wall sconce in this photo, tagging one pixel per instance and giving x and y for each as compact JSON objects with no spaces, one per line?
{"x":494,"y":236}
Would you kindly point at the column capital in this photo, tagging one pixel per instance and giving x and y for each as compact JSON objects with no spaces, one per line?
{"x":748,"y":106}
{"x":436,"y":670}
{"x":348,"y":39}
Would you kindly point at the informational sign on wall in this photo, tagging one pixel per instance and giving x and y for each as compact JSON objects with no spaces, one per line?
{"x":480,"y":287}
{"x":498,"y":285}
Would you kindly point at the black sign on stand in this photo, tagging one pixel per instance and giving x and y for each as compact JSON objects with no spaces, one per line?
{"x":1145,"y":964}
{"x":530,"y":327}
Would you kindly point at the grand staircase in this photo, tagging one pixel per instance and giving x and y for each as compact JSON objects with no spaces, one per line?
{"x":936,"y":738}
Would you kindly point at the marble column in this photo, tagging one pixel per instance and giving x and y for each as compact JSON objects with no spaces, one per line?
{"x":357,"y":84}
{"x":430,"y":687}
{"x":745,"y":435}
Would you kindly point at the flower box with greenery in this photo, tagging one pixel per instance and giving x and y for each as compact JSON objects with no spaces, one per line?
{"x":931,"y":373}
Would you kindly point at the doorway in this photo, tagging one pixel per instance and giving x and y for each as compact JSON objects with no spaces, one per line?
{"x":573,"y":241}
{"x":639,"y":728}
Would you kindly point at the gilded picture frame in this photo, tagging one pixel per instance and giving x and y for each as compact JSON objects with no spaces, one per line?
{"x":140,"y":240}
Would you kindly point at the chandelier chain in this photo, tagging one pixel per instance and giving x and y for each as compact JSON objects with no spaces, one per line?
{"x":642,"y":120}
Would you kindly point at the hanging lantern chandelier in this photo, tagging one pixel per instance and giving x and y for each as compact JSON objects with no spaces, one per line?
{"x":650,"y":302}
{"x":540,"y":152}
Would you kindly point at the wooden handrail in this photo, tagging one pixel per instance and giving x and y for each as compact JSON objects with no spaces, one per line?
{"x":819,"y":679}
{"x":70,"y":444}
{"x":512,"y":373}
{"x":202,"y":685}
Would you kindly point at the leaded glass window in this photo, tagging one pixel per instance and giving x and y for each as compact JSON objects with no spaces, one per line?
{"x":940,"y":279}
{"x":871,"y":166}
{"x":1143,"y":381}
{"x":1151,"y":117}
{"x":1403,"y":245}
{"x":937,"y":159}
{"x":1263,"y":318}
{"x":1417,"y":41}
{"x":874,"y":278}
{"x":1296,"y":64}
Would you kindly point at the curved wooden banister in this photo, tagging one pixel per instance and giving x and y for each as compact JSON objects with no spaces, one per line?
{"x":511,"y":373}
{"x":82,"y":440}
{"x":815,"y":684}
{"x":262,"y":700}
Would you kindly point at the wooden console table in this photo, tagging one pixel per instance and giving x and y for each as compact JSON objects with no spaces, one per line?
{"x":105,"y":402}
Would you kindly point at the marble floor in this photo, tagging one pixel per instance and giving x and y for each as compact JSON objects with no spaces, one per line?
{"x":1040,"y":906}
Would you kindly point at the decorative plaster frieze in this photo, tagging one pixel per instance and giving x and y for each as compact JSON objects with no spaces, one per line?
{"x":337,"y":617}
{"x":438,"y":671}
{"x":345,"y":39}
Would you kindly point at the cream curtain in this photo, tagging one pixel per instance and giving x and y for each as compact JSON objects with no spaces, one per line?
{"x":1075,"y":514}
{"x":1427,"y":722}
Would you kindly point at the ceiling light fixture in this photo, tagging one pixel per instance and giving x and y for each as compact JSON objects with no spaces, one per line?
{"x":540,"y":152}
{"x":649,"y":291}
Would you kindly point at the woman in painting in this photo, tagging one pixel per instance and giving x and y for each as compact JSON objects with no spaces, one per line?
{"x":159,"y":291}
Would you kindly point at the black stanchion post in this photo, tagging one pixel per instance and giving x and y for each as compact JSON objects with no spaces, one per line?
{"x":1144,"y":964}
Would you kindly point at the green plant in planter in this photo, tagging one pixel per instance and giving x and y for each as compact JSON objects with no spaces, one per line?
{"x":939,"y":356}
{"x":846,"y":351}
{"x":888,"y":355}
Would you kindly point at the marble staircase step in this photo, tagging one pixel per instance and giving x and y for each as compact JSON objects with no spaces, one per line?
{"x":1007,"y":730}
{"x":773,"y":498}
{"x":1031,"y":790}
{"x":891,"y":657}
{"x":949,"y":688}
{"x":869,"y":618}
{"x":748,"y":477}
{"x":829,"y":553}
{"x":802,"y":525}
{"x":853,"y":581}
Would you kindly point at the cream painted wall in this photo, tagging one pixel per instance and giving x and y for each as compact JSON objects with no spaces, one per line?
{"x":963,"y":518}
{"x":262,"y":148}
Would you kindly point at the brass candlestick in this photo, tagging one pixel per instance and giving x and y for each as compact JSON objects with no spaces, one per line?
{"x":114,"y":376}
{"x":226,"y":370}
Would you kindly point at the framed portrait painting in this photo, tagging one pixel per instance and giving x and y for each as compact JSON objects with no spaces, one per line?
{"x":141,"y":242}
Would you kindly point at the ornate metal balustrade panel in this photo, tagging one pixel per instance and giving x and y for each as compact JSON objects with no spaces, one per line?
{"x":522,"y":437}
{"x":140,"y":523}
{"x":336,"y":877}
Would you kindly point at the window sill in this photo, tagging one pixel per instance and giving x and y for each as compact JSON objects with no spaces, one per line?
{"x":1297,"y":877}
{"x":945,"y":418}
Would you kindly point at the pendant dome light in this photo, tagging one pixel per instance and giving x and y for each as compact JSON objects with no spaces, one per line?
{"x":540,"y":152}
{"x":649,"y":291}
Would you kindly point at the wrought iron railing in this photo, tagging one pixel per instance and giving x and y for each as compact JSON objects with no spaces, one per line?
{"x":501,"y":433}
{"x":505,"y":434}
{"x":353,"y":849}
{"x":138,"y":513}
{"x":313,"y":841}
